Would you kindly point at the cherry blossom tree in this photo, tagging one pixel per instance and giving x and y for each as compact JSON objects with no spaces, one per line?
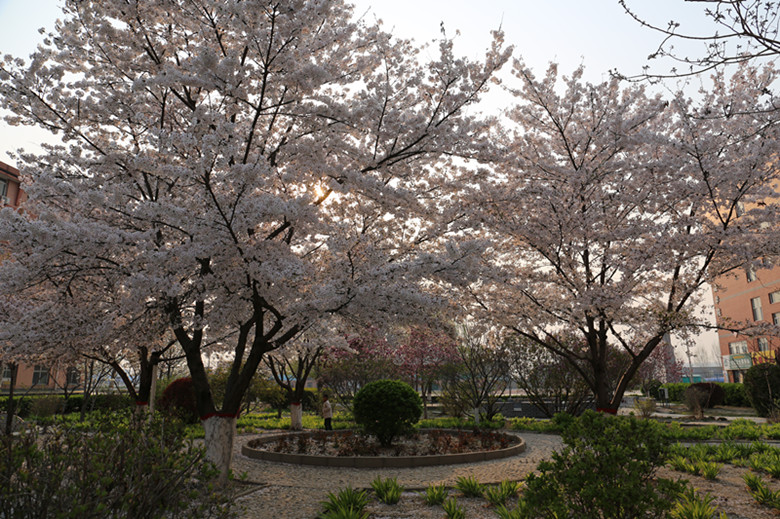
{"x":292,"y":365}
{"x":742,"y":31}
{"x":367,"y":357}
{"x":482,"y":372}
{"x":612,"y":209}
{"x":425,"y":355}
{"x":236,"y":170}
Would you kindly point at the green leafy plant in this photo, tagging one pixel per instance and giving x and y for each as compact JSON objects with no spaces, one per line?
{"x":498,"y":495}
{"x":760,"y":491}
{"x":607,"y":470}
{"x":434,"y":495}
{"x":347,"y":504}
{"x":767,"y":461}
{"x":740,"y":429}
{"x":515,"y":513}
{"x":709,"y":469}
{"x":343,"y":511}
{"x":388,"y":490}
{"x":122,"y":467}
{"x":694,"y":506}
{"x":681,"y":464}
{"x":469,"y":486}
{"x":453,"y":509}
{"x":386,"y":409}
{"x":753,"y":481}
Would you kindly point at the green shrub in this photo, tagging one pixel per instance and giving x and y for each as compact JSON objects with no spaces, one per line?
{"x":21,"y":405}
{"x":122,"y":468}
{"x":762,"y":386}
{"x":645,"y":407}
{"x":734,"y":395}
{"x":650,"y":388}
{"x":712,"y":393}
{"x":178,"y":400}
{"x":386,"y":409}
{"x":533,"y":425}
{"x":676,"y":391}
{"x":606,"y":471}
{"x":46,"y":406}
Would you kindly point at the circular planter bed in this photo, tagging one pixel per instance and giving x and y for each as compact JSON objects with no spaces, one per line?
{"x":351,"y":449}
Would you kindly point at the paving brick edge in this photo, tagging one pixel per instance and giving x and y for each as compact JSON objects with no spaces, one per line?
{"x":374,"y":462}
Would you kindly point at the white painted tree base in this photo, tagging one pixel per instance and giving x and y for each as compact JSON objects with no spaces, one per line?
{"x":296,"y":417}
{"x":220,"y":434}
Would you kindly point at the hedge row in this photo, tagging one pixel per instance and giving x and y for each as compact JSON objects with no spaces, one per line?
{"x":50,"y":404}
{"x":735,"y":393}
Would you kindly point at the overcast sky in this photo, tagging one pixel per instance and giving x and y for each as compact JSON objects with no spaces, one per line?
{"x":596,"y":33}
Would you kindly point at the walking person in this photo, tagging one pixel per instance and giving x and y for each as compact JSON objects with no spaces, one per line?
{"x":327,"y":412}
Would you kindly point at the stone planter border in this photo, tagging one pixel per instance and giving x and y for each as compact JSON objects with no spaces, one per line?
{"x":374,"y":462}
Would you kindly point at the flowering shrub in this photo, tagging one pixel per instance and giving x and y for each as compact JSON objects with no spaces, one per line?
{"x":178,"y":400}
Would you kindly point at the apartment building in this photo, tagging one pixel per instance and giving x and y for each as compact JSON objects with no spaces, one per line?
{"x":11,"y":192}
{"x":750,"y":297}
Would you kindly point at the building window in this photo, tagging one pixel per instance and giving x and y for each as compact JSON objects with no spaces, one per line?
{"x":776,"y":318}
{"x":738,"y":347}
{"x":718,"y":312}
{"x":4,"y":192}
{"x":7,"y":372}
{"x":717,"y":300}
{"x":774,"y":297}
{"x":763,"y":344}
{"x":750,"y":273}
{"x":72,"y":377}
{"x":40,"y":375}
{"x":758,"y":313}
{"x":740,"y":209}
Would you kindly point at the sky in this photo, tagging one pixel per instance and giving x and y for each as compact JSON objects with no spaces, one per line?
{"x":595,"y":33}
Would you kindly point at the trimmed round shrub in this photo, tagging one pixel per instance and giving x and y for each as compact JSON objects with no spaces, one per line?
{"x":709,"y":394}
{"x":762,"y":386}
{"x":386,"y":409}
{"x":178,"y":400}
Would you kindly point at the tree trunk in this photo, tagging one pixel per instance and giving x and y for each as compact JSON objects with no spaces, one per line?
{"x":11,"y":409}
{"x":153,"y":387}
{"x":296,"y":416}
{"x":220,"y":434}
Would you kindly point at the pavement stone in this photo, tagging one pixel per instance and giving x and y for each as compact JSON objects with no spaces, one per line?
{"x":285,"y":491}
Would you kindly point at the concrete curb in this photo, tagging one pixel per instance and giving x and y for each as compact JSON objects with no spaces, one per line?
{"x":374,"y":462}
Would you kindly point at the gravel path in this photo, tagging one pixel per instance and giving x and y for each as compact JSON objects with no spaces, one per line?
{"x":287,"y":491}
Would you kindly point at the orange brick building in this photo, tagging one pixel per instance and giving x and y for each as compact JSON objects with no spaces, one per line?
{"x":11,"y":193}
{"x":752,"y":297}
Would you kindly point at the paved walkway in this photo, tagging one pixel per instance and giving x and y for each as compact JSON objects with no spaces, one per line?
{"x":295,"y":491}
